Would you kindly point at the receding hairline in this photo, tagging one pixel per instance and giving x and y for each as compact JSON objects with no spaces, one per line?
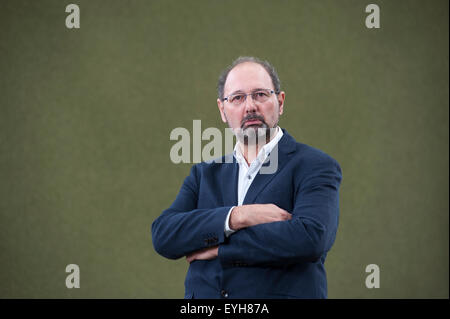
{"x":241,"y":64}
{"x":270,"y":69}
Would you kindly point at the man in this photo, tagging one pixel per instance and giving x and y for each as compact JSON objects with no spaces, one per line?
{"x":246,"y":233}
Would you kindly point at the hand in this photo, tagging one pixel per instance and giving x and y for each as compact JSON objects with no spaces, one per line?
{"x":203,"y":254}
{"x":255,"y":214}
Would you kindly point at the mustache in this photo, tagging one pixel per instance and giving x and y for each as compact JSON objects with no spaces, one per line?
{"x":252,"y":117}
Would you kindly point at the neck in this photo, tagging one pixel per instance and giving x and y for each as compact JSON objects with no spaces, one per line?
{"x":250,"y":152}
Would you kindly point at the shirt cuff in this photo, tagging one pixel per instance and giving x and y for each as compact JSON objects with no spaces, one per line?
{"x":228,"y":230}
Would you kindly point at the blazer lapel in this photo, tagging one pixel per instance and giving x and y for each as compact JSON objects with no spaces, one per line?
{"x":230,"y":175}
{"x":285,"y":146}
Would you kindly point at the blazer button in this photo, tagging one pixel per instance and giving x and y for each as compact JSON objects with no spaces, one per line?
{"x":224,"y":294}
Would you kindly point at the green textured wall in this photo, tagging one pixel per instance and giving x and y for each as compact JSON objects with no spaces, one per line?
{"x":85,"y":118}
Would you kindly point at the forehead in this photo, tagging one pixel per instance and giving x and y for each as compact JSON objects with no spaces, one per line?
{"x":247,"y":76}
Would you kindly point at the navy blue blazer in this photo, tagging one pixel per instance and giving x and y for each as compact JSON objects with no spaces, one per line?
{"x":282,"y":259}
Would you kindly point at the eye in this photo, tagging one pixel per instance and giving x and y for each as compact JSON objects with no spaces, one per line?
{"x":260,"y":95}
{"x":236,"y":98}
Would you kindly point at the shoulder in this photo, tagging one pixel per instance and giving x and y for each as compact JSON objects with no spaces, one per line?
{"x":309,"y":157}
{"x":213,"y":167}
{"x":310,"y":154}
{"x":312,"y":165}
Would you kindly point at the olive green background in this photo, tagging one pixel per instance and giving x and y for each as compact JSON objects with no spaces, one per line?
{"x":85,"y":118}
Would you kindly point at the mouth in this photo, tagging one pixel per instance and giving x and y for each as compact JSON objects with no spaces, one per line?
{"x":252,"y":122}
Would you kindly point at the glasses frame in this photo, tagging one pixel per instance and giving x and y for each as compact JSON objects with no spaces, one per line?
{"x":247,"y":94}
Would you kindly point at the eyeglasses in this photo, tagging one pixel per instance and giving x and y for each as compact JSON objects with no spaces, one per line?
{"x":259,"y":96}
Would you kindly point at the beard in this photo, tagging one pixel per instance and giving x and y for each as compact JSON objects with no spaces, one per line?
{"x":254,"y":133}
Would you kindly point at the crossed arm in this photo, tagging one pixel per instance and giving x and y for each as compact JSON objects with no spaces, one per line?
{"x":242,"y":217}
{"x":267,"y":234}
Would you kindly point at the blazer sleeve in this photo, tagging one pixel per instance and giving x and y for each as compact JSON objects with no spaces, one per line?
{"x":182,"y":228}
{"x":306,"y":237}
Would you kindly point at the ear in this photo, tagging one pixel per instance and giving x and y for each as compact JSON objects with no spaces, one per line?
{"x":281,"y":98}
{"x":221,"y":110}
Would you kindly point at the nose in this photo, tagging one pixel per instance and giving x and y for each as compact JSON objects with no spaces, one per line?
{"x":250,"y":105}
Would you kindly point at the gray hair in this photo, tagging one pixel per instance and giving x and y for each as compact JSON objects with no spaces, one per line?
{"x":266,"y":65}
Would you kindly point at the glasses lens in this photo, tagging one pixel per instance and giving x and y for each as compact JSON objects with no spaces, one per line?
{"x":261,"y":95}
{"x":237,"y":98}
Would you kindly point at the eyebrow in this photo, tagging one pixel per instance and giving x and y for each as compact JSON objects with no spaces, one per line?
{"x":240,"y":91}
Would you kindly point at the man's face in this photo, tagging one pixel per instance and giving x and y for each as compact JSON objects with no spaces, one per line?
{"x":250,"y":115}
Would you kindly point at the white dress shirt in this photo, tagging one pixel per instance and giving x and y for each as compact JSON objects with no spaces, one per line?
{"x":248,"y":173}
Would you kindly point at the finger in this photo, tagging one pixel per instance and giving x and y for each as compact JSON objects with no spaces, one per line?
{"x":190,"y":258}
{"x":285,"y":213}
{"x":283,"y":216}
